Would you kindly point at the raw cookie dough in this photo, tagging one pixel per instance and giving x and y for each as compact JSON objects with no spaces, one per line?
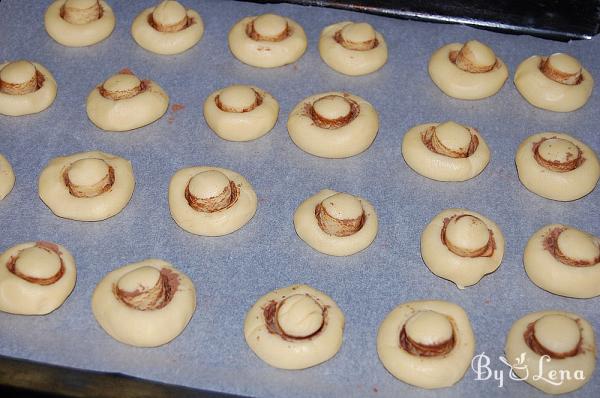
{"x":35,"y":278}
{"x":79,"y":23}
{"x":25,"y":88}
{"x":428,"y":344}
{"x":544,"y":345}
{"x":7,"y":177}
{"x":556,"y":83}
{"x":124,"y":102}
{"x":333,"y":125}
{"x":468,"y":71}
{"x":462,"y":246}
{"x":167,"y":28}
{"x":144,"y":304}
{"x":87,"y":186}
{"x":338,"y":224}
{"x":241,"y":113}
{"x":353,"y":48}
{"x":294,"y":327}
{"x":267,"y":41}
{"x":564,"y":260}
{"x":557,"y":166}
{"x":445,"y":152}
{"x":211,"y":201}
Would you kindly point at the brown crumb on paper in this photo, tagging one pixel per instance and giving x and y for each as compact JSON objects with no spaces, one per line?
{"x":174,"y":109}
{"x":177,"y":107}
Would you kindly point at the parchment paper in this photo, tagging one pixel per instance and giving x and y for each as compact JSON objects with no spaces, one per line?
{"x":231,"y":272}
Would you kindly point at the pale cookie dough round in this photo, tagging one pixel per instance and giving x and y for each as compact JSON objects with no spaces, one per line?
{"x":7,"y":177}
{"x":241,"y":113}
{"x":333,"y":125}
{"x":211,"y":201}
{"x":35,"y":278}
{"x":353,"y":48}
{"x":462,"y":246}
{"x":79,"y":23}
{"x":25,"y":88}
{"x":445,"y":151}
{"x":167,"y":28}
{"x":87,"y":186}
{"x":294,"y":327}
{"x":337,"y":224}
{"x":557,"y":166}
{"x":468,"y":71}
{"x":556,"y":83}
{"x":544,"y":345}
{"x":144,"y":304}
{"x":124,"y":102}
{"x":267,"y":41}
{"x":428,"y":344}
{"x":564,"y":260}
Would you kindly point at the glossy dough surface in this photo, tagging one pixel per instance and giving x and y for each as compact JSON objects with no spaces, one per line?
{"x":294,"y":353}
{"x":149,"y":328}
{"x":523,"y":358}
{"x":308,"y":229}
{"x":26,"y":104}
{"x":347,"y":61}
{"x":218,"y":223}
{"x":56,"y":195}
{"x":562,"y":186}
{"x":166,"y":43}
{"x":463,"y":271}
{"x":266,"y":54}
{"x":7,"y":177}
{"x":545,"y":93}
{"x":78,"y":35}
{"x":547,"y":272}
{"x":426,"y":372}
{"x":20,"y":296}
{"x":438,"y":166}
{"x":349,"y":140}
{"x":242,"y":126}
{"x":461,"y":84}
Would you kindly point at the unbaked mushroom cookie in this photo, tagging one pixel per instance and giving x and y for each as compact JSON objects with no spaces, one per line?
{"x":25,"y":88}
{"x":79,"y":23}
{"x":35,"y":278}
{"x":462,"y":246}
{"x":336,"y":223}
{"x":333,"y":125}
{"x":557,"y":166}
{"x":167,"y":28}
{"x":428,"y":344}
{"x":353,"y":48}
{"x":267,"y":41}
{"x":554,"y":351}
{"x":145,"y":304}
{"x":87,"y":186}
{"x":294,"y":327}
{"x":469,"y":71}
{"x":7,"y":177}
{"x":241,"y":113}
{"x":124,"y":102}
{"x":556,"y":83}
{"x":211,"y":201}
{"x":564,"y":260}
{"x":445,"y":152}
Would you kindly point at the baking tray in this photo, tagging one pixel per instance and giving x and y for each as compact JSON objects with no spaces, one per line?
{"x":558,"y":20}
{"x":231,"y":272}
